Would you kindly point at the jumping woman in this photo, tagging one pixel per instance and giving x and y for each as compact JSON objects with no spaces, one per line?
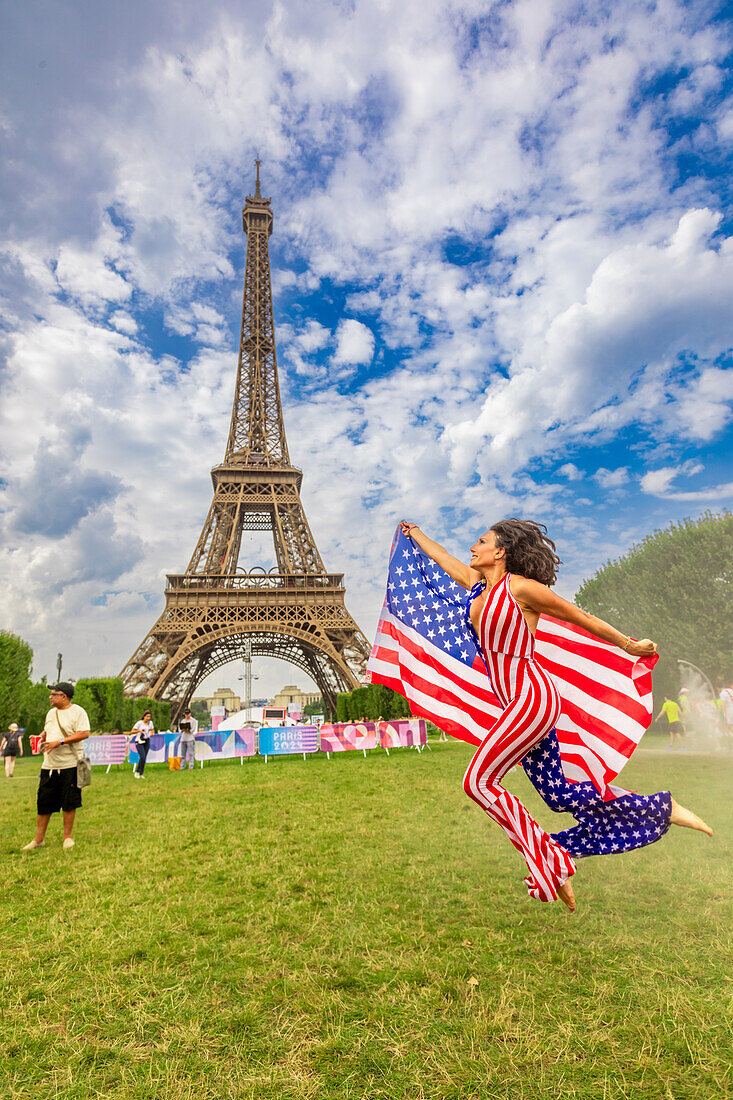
{"x":509,"y":576}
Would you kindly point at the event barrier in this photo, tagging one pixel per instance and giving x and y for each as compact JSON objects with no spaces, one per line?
{"x":159,"y":748}
{"x":109,"y":749}
{"x":227,"y":745}
{"x":283,"y":740}
{"x":106,"y":748}
{"x":348,"y":736}
{"x":399,"y":733}
{"x":403,"y":733}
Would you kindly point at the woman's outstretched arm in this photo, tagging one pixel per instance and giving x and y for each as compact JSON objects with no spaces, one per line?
{"x":456,"y":569}
{"x":538,"y":597}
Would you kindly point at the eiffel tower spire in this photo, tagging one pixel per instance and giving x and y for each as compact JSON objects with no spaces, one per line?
{"x":216,"y":610}
{"x":256,"y":439}
{"x":257,"y":433}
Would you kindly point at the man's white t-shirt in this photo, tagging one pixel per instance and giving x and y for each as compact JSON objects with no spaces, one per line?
{"x":64,"y":723}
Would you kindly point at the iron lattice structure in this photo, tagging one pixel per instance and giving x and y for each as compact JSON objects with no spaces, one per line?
{"x":296,"y":613}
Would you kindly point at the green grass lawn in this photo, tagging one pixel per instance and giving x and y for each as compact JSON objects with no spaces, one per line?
{"x":356,"y":928}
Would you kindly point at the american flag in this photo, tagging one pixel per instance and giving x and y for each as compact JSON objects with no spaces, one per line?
{"x":426,"y":649}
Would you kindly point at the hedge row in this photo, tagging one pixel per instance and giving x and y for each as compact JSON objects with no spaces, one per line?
{"x":108,"y":709}
{"x":371,"y":701}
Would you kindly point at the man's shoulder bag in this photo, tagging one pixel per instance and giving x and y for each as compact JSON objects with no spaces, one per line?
{"x":83,"y":763}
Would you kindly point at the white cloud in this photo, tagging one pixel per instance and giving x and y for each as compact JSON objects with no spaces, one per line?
{"x":313,"y":337}
{"x":354,"y":344}
{"x":300,"y":349}
{"x":704,"y":405}
{"x":570,"y":471}
{"x":644,"y":304}
{"x":661,"y":483}
{"x":123,"y":322}
{"x":724,"y":124}
{"x":87,"y":277}
{"x":611,"y":479}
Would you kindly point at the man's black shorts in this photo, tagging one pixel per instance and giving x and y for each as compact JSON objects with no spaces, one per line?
{"x":58,"y":790}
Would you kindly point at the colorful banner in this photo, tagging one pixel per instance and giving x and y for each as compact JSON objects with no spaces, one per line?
{"x":275,"y":741}
{"x":282,"y":740}
{"x":403,"y":733}
{"x":227,"y":745}
{"x":105,"y":749}
{"x":347,"y":736}
{"x":158,"y":750}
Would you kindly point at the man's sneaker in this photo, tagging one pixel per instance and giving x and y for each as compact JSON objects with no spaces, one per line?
{"x":68,"y":843}
{"x":32,"y":846}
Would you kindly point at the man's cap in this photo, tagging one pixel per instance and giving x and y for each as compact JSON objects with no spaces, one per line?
{"x":68,"y":689}
{"x":13,"y":726}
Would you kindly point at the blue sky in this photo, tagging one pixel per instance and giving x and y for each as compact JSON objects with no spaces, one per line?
{"x":503,"y":275}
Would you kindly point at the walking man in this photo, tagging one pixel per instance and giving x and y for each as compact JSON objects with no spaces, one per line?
{"x":189,"y":728}
{"x":66,"y":726}
{"x":672,"y":709}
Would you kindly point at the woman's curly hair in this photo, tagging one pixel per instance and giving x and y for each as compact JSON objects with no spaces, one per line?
{"x":529,"y":551}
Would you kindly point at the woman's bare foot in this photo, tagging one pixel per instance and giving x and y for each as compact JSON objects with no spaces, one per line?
{"x":566,"y":895}
{"x":682,"y":816}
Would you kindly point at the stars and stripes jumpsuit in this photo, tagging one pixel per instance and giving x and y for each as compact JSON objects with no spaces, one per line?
{"x":531,"y":707}
{"x":621,"y":824}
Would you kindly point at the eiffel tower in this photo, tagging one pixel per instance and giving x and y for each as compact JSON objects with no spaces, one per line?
{"x":217,"y":611}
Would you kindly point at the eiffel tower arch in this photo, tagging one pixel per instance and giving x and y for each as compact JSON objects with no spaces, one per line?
{"x":297,"y":611}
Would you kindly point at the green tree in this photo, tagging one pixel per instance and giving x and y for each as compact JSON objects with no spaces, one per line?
{"x":200,"y":711}
{"x":85,"y":697}
{"x":35,"y":708}
{"x":341,"y":706}
{"x":676,"y":587}
{"x":371,"y":701}
{"x":16,"y":657}
{"x":160,"y":712}
{"x":127,"y":721}
{"x":132,"y":711}
{"x":102,"y":700}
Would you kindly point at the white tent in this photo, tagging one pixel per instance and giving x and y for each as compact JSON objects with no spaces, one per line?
{"x":242,"y":721}
{"x":238,"y":721}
